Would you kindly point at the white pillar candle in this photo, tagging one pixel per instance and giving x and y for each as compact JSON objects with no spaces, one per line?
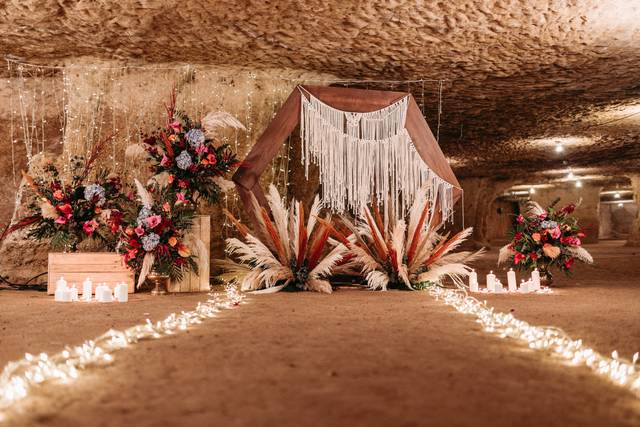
{"x":511,"y":280}
{"x":524,"y":287}
{"x":58,"y":296}
{"x":121,"y":292}
{"x":99,"y":292}
{"x":491,"y":281}
{"x":535,"y":278}
{"x":497,"y":286}
{"x":66,"y":295}
{"x":87,"y":289}
{"x":61,"y":283}
{"x":105,"y":294}
{"x":74,"y":293}
{"x":473,"y":281}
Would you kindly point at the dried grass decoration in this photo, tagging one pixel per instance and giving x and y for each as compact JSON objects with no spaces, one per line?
{"x":401,"y":256}
{"x":285,"y":252}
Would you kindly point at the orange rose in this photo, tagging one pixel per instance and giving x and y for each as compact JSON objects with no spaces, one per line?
{"x":536,"y":237}
{"x":172,"y":241}
{"x":183,"y":251}
{"x":551,"y":251}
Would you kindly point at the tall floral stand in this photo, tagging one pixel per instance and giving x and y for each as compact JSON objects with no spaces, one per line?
{"x":198,"y":282}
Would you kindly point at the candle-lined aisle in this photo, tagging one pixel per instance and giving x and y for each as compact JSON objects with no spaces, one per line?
{"x":19,"y":377}
{"x":552,"y":340}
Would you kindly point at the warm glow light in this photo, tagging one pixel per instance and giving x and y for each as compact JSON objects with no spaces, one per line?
{"x":559,"y":148}
{"x":570,"y":175}
{"x":579,"y":184}
{"x":620,"y":205}
{"x":617,"y":195}
{"x":553,"y":341}
{"x":532,"y":190}
{"x":19,"y":377}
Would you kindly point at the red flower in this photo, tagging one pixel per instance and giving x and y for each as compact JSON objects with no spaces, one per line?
{"x":518,"y":257}
{"x":175,"y":126}
{"x":65,"y":209}
{"x":517,"y":236}
{"x":569,"y":208}
{"x":89,"y":227}
{"x":568,"y":263}
{"x":520,"y":219}
{"x":183,"y":183}
{"x":533,"y":256}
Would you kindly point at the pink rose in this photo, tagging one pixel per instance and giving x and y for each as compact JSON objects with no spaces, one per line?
{"x":61,"y":220}
{"x":555,"y":232}
{"x":89,"y":227}
{"x":139,"y":230}
{"x":518,"y":257}
{"x":175,"y":125}
{"x":153,"y":221}
{"x":520,"y":219}
{"x":201,"y":149}
{"x":165,"y":161}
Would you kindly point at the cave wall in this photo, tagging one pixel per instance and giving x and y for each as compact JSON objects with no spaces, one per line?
{"x":102,"y":98}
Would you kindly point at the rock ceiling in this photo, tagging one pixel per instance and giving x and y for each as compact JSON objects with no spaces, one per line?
{"x":520,"y":75}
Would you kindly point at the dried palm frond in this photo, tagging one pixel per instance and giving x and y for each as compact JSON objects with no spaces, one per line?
{"x":147,"y":265}
{"x":220,"y":119}
{"x":135,"y":152}
{"x":580,"y":253}
{"x":401,"y":256}
{"x":145,"y":197}
{"x":288,"y":253}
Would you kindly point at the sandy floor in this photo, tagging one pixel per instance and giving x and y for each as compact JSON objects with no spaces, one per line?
{"x":354,"y":358}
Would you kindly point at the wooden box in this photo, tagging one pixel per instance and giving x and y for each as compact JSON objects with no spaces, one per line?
{"x":198,"y":282}
{"x":100,"y":267}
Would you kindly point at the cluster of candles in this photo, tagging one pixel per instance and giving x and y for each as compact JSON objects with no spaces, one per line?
{"x":64,"y":293}
{"x":494,"y":285}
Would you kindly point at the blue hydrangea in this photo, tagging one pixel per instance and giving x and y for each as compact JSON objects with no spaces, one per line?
{"x":143,"y":214}
{"x":150,"y":241}
{"x":548,"y":224}
{"x":195,"y":138}
{"x":95,"y":191}
{"x":184,"y":160}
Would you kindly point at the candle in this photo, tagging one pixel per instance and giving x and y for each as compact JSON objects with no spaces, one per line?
{"x":87,"y":289}
{"x":491,"y":281}
{"x":121,"y":292}
{"x":524,"y":286}
{"x":497,"y":286}
{"x":61,"y":283}
{"x":74,"y":293}
{"x":535,"y":278}
{"x":104,"y":294}
{"x":511,"y":280}
{"x":473,"y":281}
{"x":60,"y":289}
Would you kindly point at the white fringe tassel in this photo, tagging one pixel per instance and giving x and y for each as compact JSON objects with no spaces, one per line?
{"x":362,"y":156}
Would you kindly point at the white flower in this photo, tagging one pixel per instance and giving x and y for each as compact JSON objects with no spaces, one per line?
{"x":48,"y":211}
{"x":184,"y":160}
{"x":224,"y":184}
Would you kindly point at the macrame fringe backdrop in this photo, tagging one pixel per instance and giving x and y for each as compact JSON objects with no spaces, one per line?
{"x":367,"y":157}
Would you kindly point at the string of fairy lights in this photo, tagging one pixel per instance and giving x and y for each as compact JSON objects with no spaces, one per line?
{"x":76,"y":105}
{"x":19,"y":377}
{"x":552,"y":340}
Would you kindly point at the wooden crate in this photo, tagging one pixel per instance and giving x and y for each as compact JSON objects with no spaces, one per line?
{"x":198,"y":282}
{"x":100,"y":267}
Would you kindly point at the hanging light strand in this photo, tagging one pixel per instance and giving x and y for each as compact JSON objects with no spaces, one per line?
{"x":19,"y":377}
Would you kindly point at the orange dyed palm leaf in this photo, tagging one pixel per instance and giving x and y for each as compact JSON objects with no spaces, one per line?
{"x":416,"y":234}
{"x":273,"y":233}
{"x":167,"y":145}
{"x":302,"y":236}
{"x":378,"y":245}
{"x":242,"y":229}
{"x":379,"y":222}
{"x":315,"y":250}
{"x":441,"y":247}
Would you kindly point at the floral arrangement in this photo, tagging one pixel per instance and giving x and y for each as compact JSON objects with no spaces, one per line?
{"x":185,"y":157}
{"x":155,"y":237}
{"x":406,"y":257}
{"x":70,"y":212}
{"x":284,"y":253}
{"x":545,"y":239}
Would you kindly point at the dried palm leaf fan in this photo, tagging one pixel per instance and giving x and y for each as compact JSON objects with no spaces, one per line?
{"x":285,"y":252}
{"x":405,"y":256}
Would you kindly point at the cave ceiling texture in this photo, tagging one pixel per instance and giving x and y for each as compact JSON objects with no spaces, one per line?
{"x":521,"y":76}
